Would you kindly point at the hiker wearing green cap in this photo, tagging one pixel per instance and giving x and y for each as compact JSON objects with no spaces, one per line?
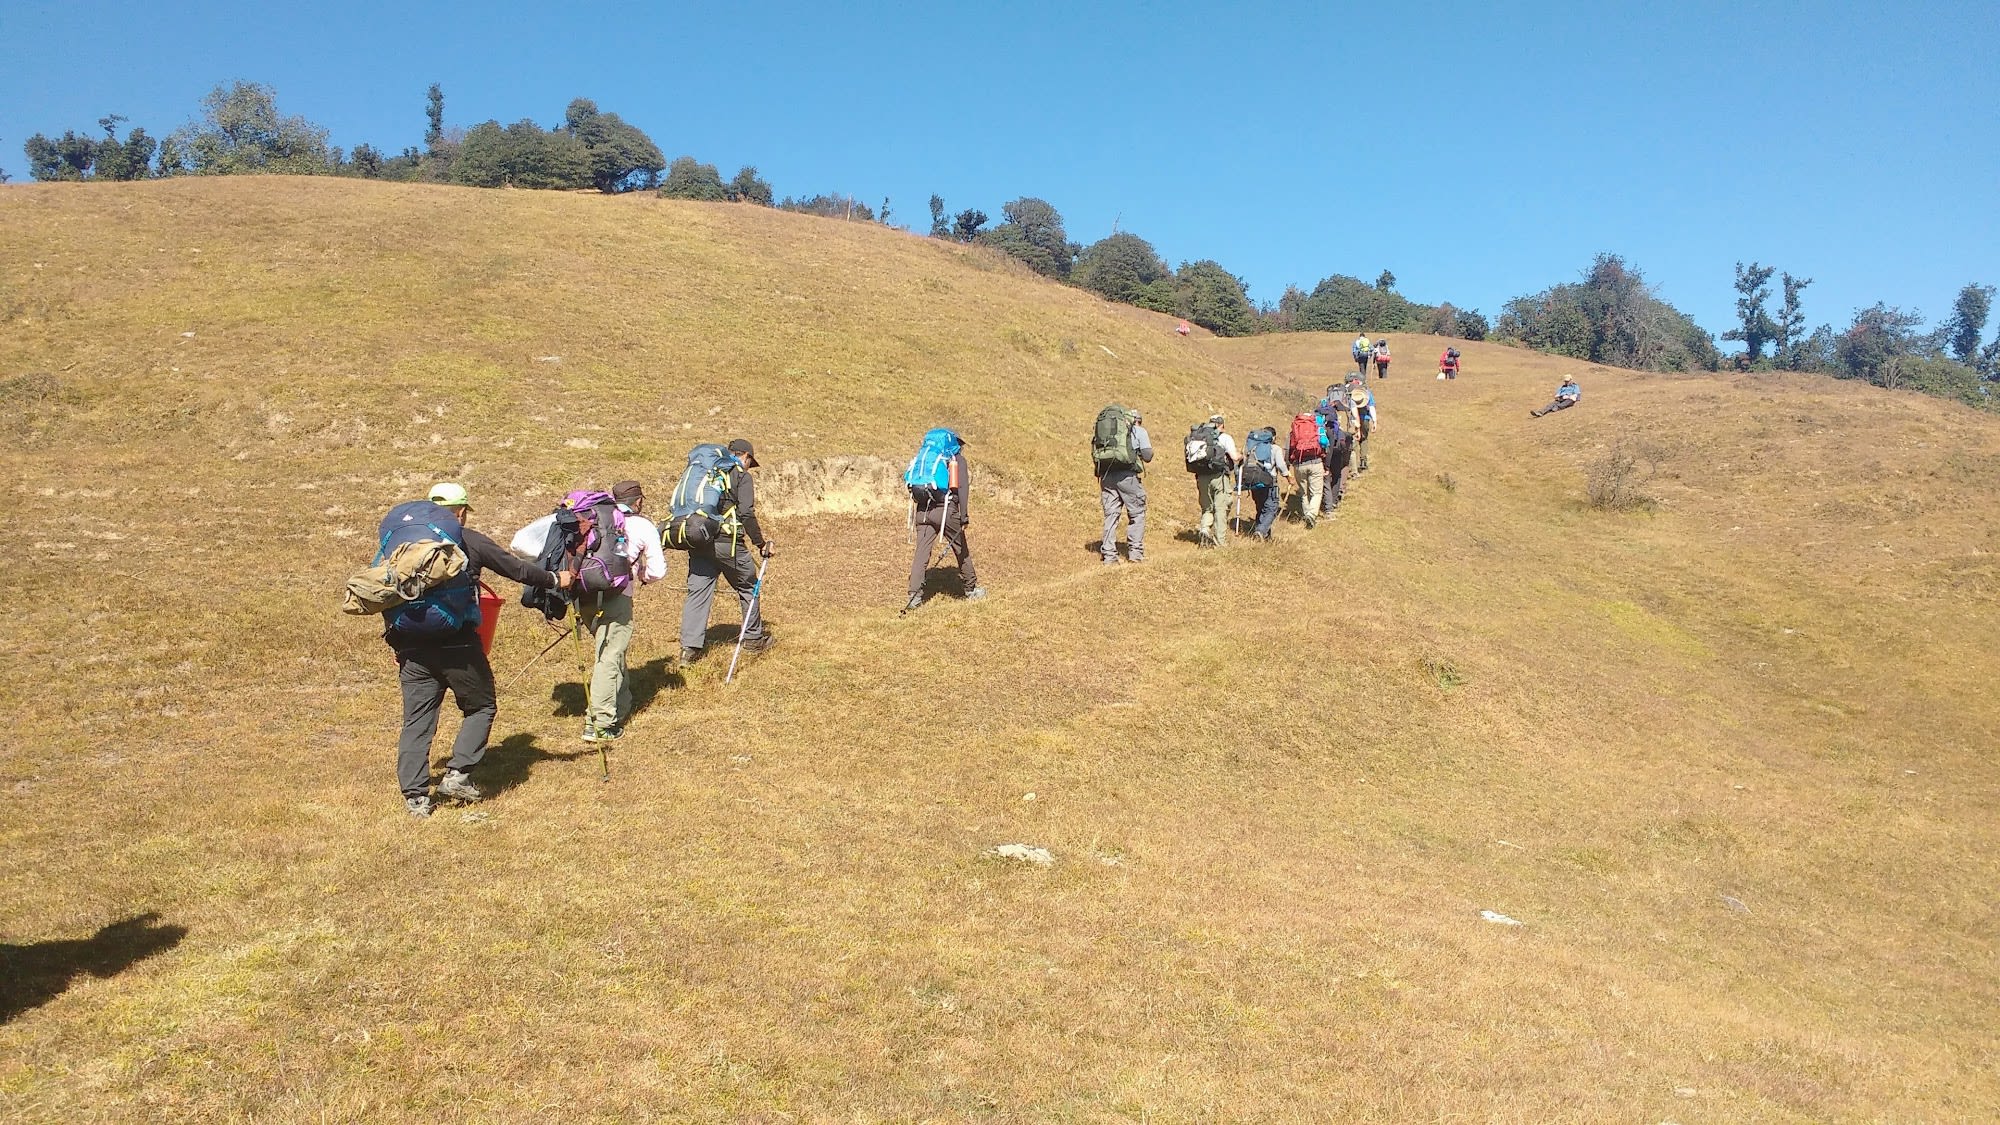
{"x":430,"y":665}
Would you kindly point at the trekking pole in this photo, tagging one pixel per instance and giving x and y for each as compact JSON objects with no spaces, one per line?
{"x":561,"y":636}
{"x":1238,"y":521}
{"x":756,"y":595}
{"x":944,"y":522}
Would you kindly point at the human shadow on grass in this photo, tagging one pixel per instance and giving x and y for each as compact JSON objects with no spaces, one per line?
{"x":509,"y":762}
{"x":34,"y":974}
{"x":944,"y":580}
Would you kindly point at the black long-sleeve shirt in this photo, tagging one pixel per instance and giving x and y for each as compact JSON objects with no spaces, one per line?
{"x":743,"y":501}
{"x":485,"y":554}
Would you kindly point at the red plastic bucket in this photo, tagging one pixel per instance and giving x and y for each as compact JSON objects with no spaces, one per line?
{"x":489,"y":617}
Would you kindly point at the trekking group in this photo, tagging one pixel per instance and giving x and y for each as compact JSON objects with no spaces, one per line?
{"x":1312,"y":463}
{"x":598,"y":546}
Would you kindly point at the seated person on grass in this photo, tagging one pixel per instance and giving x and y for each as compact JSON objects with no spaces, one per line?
{"x":1566,"y":396}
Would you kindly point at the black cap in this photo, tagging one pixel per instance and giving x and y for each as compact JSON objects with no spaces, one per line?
{"x":749,"y":452}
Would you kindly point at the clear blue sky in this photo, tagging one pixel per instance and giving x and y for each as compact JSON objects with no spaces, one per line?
{"x":1480,"y":151}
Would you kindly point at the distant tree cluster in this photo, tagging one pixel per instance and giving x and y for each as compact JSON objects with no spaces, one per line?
{"x":1881,"y":344}
{"x":1611,"y":317}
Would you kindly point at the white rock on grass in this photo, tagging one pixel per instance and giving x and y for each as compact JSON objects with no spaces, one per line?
{"x":1040,"y":857}
{"x":1500,"y":919}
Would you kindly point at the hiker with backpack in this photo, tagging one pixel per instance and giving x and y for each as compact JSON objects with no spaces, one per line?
{"x":1120,"y":450}
{"x":1448,"y":364}
{"x":1305,"y":448}
{"x":437,"y":641}
{"x":1212,"y":458}
{"x":1567,"y":396}
{"x":1336,"y":414}
{"x":938,"y":479}
{"x":1364,"y":419}
{"x":713,"y":517}
{"x":1264,"y":465}
{"x":1363,"y":353}
{"x":1382,"y":359}
{"x":605,"y":613}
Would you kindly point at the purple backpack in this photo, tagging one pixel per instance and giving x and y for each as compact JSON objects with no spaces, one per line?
{"x":599,"y":561}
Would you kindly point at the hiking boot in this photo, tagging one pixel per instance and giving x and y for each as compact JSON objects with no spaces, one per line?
{"x":916,"y":602}
{"x":458,"y":786}
{"x":419,"y":806}
{"x":603,"y":734}
{"x":690,"y":655}
{"x":977,"y":593}
{"x":759,"y":644}
{"x":1111,"y":560}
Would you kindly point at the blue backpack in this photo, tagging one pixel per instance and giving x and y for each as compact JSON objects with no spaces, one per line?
{"x":694,"y":510}
{"x":444,"y":610}
{"x":929,"y":474}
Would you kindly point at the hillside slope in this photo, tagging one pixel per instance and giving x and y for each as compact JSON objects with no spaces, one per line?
{"x":1727,"y":757}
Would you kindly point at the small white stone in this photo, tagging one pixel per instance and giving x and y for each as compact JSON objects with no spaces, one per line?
{"x":1040,"y":857}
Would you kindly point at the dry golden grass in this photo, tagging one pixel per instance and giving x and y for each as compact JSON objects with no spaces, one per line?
{"x":1729,"y":759}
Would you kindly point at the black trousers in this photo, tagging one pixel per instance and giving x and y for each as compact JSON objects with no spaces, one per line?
{"x":426,"y":674}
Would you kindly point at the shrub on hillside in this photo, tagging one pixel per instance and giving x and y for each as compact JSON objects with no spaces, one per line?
{"x":688,"y":178}
{"x":828,"y":206}
{"x":1214,"y":298}
{"x":1614,"y":480}
{"x":621,"y":157}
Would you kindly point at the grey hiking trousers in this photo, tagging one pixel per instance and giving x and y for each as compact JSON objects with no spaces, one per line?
{"x":733,"y":560}
{"x":1120,"y":489}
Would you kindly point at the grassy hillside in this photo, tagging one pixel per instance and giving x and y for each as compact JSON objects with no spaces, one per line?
{"x":1727,"y":755}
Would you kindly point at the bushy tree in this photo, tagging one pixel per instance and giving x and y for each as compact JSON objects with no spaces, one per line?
{"x":68,"y":157}
{"x":1967,"y":322}
{"x":1612,"y":317}
{"x":1385,"y":280}
{"x":1214,"y":298}
{"x":940,"y":225}
{"x":1791,"y":324}
{"x":1469,"y":324}
{"x":74,"y":156}
{"x":621,"y":156}
{"x":688,"y":178}
{"x":523,"y":155}
{"x":1125,"y":268}
{"x":1754,"y":326}
{"x":965,"y":226}
{"x":365,"y":161}
{"x":1876,"y":344}
{"x":242,"y":131}
{"x":1032,"y":231}
{"x":748,"y":187}
{"x":1987,"y":364}
{"x":1347,"y":304}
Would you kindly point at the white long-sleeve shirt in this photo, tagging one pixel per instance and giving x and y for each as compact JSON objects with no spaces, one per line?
{"x":642,"y":549}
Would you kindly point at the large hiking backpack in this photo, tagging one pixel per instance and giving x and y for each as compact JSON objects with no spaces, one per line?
{"x":599,"y":557}
{"x":1111,"y":444}
{"x":1337,"y":435}
{"x":1304,"y":443}
{"x":694,"y":511}
{"x":435,"y":594}
{"x":560,"y":540}
{"x":1204,"y":450}
{"x":933,"y":471}
{"x":1260,"y":465}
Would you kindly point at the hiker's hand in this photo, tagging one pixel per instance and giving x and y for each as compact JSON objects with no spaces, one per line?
{"x":767,"y":548}
{"x":565,"y":579}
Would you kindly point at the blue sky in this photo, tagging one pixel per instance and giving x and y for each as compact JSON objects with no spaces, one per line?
{"x":1480,"y":151}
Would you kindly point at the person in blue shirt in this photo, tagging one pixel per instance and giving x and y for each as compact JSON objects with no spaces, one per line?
{"x":1566,"y":397}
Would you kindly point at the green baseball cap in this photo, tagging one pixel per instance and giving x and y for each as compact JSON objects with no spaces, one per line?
{"x":450,"y":495}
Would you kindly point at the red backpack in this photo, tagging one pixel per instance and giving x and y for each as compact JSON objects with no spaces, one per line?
{"x":1304,"y":442}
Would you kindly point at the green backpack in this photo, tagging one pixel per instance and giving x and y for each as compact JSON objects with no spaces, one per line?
{"x":1111,"y":443}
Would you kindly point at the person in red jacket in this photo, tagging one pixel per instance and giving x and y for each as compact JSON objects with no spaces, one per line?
{"x":1448,"y":364}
